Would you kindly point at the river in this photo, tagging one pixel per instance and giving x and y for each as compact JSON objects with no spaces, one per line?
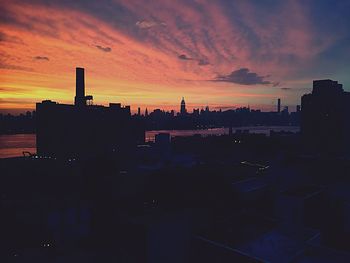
{"x":14,"y":145}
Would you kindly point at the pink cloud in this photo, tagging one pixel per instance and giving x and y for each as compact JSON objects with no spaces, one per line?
{"x":138,"y":61}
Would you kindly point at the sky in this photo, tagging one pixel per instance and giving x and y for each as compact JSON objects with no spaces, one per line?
{"x":144,"y":53}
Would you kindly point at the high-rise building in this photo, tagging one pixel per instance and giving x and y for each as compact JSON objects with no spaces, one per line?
{"x":279,"y":105}
{"x":183,"y":110}
{"x":325,"y":117}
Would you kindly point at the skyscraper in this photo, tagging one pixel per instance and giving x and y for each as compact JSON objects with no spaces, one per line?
{"x":279,"y":105}
{"x":183,"y":110}
{"x":324,"y":117}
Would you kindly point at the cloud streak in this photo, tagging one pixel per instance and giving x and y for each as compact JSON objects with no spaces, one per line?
{"x":144,"y":24}
{"x":41,"y":58}
{"x":104,"y":49}
{"x":201,"y":62}
{"x":184,"y":57}
{"x":243,"y":76}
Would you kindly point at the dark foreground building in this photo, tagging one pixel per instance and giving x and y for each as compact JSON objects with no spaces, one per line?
{"x":325,"y":124}
{"x":83,"y":129}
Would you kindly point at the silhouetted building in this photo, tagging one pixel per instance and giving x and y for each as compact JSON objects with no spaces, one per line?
{"x":285,"y":111}
{"x":183,"y":107}
{"x":325,"y":113}
{"x":279,"y":105}
{"x":73,"y":131}
{"x":196,"y":112}
{"x":80,"y":98}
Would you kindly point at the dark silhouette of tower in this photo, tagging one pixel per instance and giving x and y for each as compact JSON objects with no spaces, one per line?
{"x":279,"y":105}
{"x":183,"y":106}
{"x":80,"y":99}
{"x":79,"y":87}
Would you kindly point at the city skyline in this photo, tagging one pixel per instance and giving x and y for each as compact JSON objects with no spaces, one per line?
{"x":175,"y":131}
{"x":150,"y":55}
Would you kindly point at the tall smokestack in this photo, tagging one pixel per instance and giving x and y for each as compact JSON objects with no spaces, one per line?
{"x":79,"y":87}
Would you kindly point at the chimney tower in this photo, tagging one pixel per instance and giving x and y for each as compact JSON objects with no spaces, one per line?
{"x":80,"y":99}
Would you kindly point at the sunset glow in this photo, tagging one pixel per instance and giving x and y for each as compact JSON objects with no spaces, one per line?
{"x":223,"y":54}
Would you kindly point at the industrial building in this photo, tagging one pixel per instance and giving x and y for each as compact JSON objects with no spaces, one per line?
{"x":84,"y":129}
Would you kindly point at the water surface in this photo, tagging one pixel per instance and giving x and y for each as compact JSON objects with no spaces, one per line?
{"x":15,"y":145}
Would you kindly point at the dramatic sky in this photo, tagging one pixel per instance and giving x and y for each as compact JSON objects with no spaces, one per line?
{"x":221,"y":53}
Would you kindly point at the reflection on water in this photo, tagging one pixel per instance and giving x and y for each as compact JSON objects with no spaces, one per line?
{"x":14,"y":145}
{"x":150,"y":135}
